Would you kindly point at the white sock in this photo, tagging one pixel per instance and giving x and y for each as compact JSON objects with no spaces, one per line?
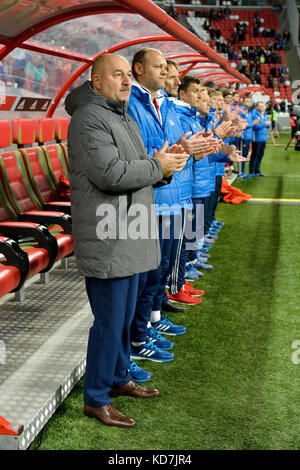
{"x":136,"y":345}
{"x":155,"y":316}
{"x":149,"y":324}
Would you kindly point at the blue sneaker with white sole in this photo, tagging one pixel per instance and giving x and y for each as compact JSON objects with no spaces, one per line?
{"x":191,"y":273}
{"x":204,"y":252}
{"x":151,"y":352}
{"x":167,"y":327}
{"x":208,"y":240}
{"x":202,"y":265}
{"x":217,"y":222}
{"x":212,"y":234}
{"x":137,"y":373}
{"x":190,"y":276}
{"x":157,"y":339}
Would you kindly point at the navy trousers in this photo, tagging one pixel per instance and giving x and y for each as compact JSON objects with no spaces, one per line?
{"x":258,"y":149}
{"x":151,"y":293}
{"x":245,"y":150}
{"x":215,"y":197}
{"x":208,"y":211}
{"x":203,"y":224}
{"x":112,"y":302}
{"x":170,"y":249}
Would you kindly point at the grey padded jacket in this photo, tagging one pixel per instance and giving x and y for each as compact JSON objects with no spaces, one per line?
{"x":111,"y":177}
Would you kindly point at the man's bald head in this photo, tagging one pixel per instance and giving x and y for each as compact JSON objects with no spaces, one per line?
{"x":105,"y":60}
{"x":111,"y":77}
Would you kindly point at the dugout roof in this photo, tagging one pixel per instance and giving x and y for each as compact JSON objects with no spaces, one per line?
{"x":62,"y":38}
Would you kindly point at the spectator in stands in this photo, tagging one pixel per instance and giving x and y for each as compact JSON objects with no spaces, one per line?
{"x":35,"y":74}
{"x":255,"y":31}
{"x":230,"y":53}
{"x":257,"y":19}
{"x":226,"y":12}
{"x":212,"y":33}
{"x":287,"y":37}
{"x":218,"y":33}
{"x":20,"y":58}
{"x":262,"y":59}
{"x":260,"y":138}
{"x":240,"y":67}
{"x":257,"y":78}
{"x":3,"y":77}
{"x":206,"y":25}
{"x":270,"y":81}
{"x":105,"y":166}
{"x":274,"y":119}
{"x":282,"y":107}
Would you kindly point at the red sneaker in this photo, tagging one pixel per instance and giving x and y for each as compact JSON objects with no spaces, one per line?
{"x":192,"y":291}
{"x":183,"y":297}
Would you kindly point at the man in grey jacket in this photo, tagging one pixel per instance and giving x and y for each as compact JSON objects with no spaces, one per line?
{"x":111,"y":178}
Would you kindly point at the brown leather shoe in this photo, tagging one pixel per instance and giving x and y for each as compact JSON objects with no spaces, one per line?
{"x":109,"y":415}
{"x":132,"y":389}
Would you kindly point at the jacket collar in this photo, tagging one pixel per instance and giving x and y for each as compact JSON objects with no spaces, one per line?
{"x":184,"y":107}
{"x":146,"y":94}
{"x":116,"y":106}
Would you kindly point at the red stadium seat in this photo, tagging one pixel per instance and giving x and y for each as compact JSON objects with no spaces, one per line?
{"x":61,"y":133}
{"x":15,"y":192}
{"x":37,"y":168}
{"x":19,"y":193}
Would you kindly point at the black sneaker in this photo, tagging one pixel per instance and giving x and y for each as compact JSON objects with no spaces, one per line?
{"x":169,"y":307}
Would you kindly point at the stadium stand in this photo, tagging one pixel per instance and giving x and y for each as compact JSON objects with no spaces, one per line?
{"x":256,"y":51}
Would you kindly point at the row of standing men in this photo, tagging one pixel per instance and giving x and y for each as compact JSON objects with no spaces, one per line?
{"x":149,"y":143}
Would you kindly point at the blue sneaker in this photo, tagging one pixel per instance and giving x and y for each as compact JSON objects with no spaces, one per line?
{"x":159,"y":341}
{"x":202,"y":259}
{"x":214,"y":229}
{"x":137,"y":373}
{"x":204,"y":266}
{"x":202,"y":256}
{"x":167,"y":327}
{"x":151,"y":352}
{"x":204,"y":251}
{"x":190,"y":268}
{"x":217,"y":222}
{"x":190,"y":276}
{"x":208,"y":240}
{"x":201,"y":265}
{"x":243,"y":176}
{"x":207,"y":245}
{"x":251,"y":175}
{"x":212,"y":234}
{"x":259,"y":174}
